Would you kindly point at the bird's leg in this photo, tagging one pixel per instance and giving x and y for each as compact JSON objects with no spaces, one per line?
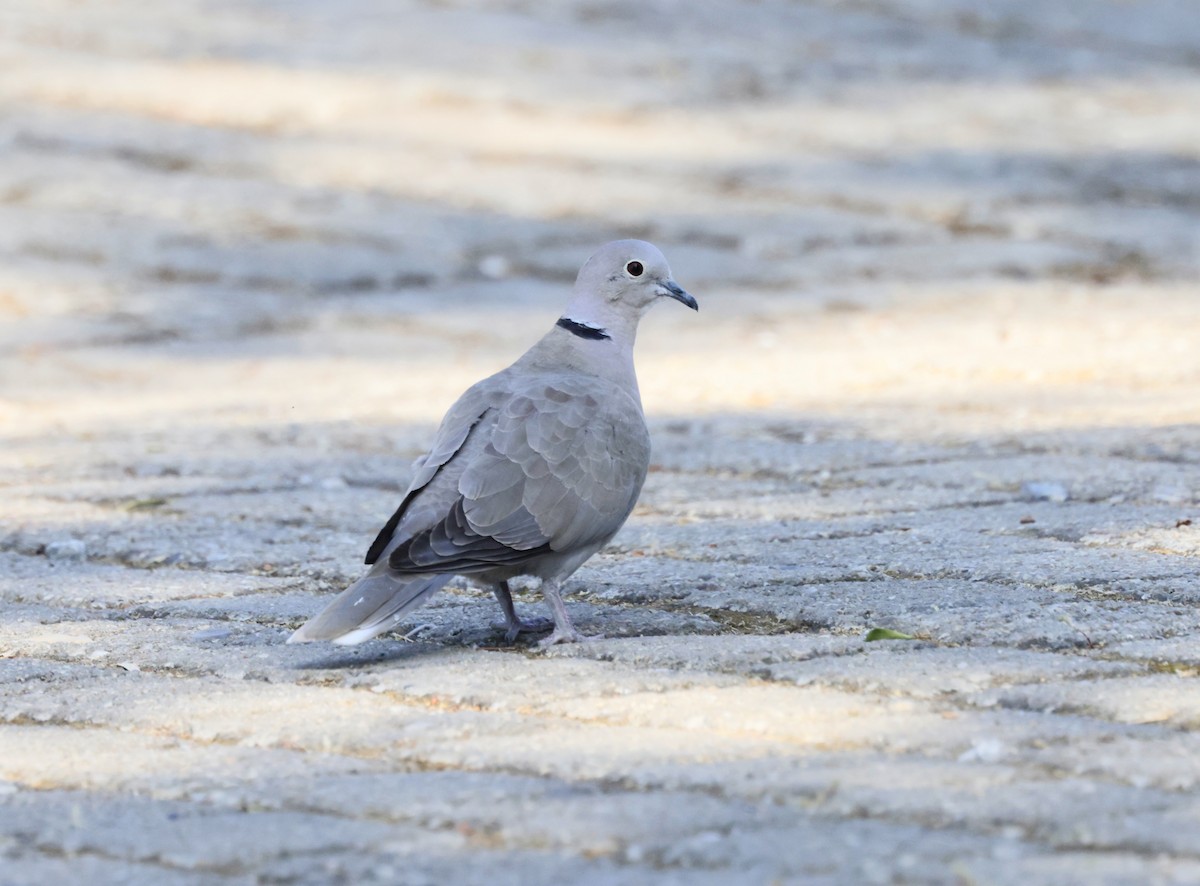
{"x":564,"y":631}
{"x":515,"y":625}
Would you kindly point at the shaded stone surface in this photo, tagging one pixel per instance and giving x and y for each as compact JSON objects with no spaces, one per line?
{"x":944,"y":381}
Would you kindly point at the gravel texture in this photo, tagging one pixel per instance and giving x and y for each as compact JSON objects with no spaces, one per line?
{"x":945,"y":380}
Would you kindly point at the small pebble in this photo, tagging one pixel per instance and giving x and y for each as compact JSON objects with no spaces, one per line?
{"x":66,"y":549}
{"x":1040,"y":491}
{"x":984,"y":750}
{"x":495,"y":267}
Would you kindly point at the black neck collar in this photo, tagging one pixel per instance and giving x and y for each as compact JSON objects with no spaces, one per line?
{"x":582,"y":330}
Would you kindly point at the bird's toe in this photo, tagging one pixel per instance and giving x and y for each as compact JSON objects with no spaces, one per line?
{"x":527,"y":626}
{"x":568,"y":636}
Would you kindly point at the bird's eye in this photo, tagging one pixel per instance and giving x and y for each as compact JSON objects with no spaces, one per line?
{"x":634,"y":269}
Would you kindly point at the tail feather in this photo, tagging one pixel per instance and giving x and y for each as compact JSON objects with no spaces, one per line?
{"x":373,"y":604}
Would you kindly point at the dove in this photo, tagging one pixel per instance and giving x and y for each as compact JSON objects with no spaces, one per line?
{"x":533,"y":469}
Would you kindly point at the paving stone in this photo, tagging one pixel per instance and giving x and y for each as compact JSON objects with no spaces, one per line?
{"x":944,"y":382}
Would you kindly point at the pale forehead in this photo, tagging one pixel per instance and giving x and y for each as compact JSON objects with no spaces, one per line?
{"x":620,"y":251}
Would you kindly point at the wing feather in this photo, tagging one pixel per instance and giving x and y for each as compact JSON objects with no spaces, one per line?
{"x":463,"y":417}
{"x":559,"y":468}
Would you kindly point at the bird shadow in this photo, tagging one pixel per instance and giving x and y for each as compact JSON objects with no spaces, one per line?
{"x":389,"y":650}
{"x":366,"y":657}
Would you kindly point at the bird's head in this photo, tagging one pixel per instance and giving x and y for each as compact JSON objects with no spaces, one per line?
{"x":629,"y":276}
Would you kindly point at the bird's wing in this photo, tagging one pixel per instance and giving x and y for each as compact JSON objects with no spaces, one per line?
{"x":463,"y":417}
{"x":556,"y":467}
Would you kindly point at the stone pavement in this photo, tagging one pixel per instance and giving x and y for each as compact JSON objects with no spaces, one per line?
{"x":945,"y":380}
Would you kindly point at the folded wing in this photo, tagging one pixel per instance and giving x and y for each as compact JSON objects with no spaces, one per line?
{"x":555,"y":466}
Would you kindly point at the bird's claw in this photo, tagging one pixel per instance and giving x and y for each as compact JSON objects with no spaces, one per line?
{"x":527,"y":626}
{"x":568,"y":636}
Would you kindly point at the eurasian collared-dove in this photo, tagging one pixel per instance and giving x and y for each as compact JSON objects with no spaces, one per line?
{"x":532,"y":471}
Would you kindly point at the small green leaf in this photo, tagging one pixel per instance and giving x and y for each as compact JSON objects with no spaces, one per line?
{"x":885,"y":634}
{"x":144,"y":504}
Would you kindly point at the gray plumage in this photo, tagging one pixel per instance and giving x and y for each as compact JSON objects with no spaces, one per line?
{"x":532,"y":471}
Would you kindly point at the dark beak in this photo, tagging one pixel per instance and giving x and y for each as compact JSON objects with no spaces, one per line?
{"x":671,"y":289}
